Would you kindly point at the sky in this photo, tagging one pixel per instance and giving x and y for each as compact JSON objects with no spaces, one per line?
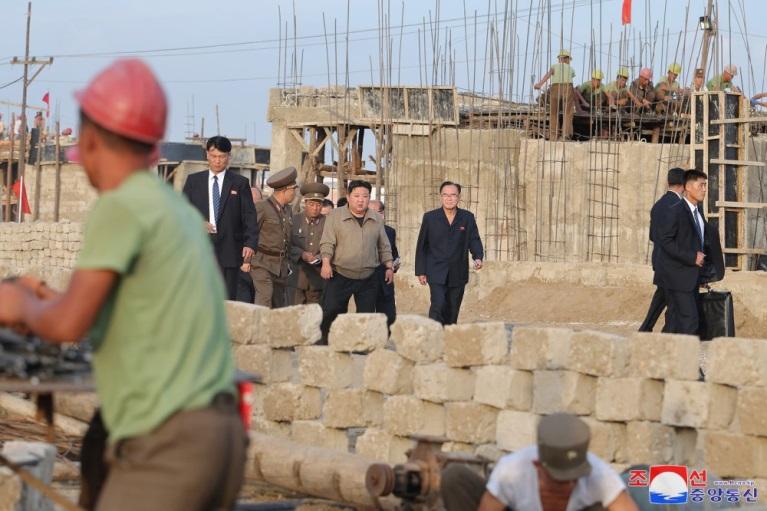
{"x":229,"y":53}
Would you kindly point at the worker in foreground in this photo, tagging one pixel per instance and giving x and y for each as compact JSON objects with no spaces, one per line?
{"x":556,"y":474}
{"x":147,"y":291}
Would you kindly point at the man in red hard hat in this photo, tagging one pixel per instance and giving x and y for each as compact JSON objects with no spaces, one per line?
{"x":144,"y":291}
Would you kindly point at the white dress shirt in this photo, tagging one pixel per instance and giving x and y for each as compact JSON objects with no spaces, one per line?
{"x":696,"y":217}
{"x":211,"y":213}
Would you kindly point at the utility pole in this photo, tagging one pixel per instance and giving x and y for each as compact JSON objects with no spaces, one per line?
{"x":709,"y":30}
{"x":26,"y":61}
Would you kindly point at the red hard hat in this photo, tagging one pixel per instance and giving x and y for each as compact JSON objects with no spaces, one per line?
{"x":127,"y":99}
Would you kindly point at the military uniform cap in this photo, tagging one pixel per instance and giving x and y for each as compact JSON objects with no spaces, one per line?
{"x":314,"y":191}
{"x":700,"y":72}
{"x":563,"y":443}
{"x":283,"y":178}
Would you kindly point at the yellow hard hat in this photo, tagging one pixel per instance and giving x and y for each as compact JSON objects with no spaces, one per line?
{"x":563,"y":53}
{"x":597,"y":75}
{"x":674,"y":68}
{"x":622,"y":71}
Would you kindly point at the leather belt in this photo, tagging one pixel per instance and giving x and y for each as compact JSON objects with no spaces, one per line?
{"x":271,"y":252}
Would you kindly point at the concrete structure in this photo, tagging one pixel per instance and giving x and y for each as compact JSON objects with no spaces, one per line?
{"x":534,"y":200}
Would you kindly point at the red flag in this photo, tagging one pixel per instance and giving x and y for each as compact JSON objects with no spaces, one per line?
{"x":24,"y":201}
{"x":47,"y":101}
{"x":626,"y":12}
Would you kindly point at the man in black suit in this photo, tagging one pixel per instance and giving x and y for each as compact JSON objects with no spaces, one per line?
{"x":385,"y":302}
{"x":447,"y":236}
{"x":683,"y":239}
{"x":225,"y":201}
{"x":659,"y":214}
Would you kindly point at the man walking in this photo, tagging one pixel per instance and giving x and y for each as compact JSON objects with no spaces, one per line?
{"x":305,"y":245}
{"x":447,"y":236}
{"x":269,"y":266}
{"x":659,"y":215}
{"x":385,"y":302}
{"x":682,"y":255}
{"x":354,"y":244}
{"x":146,"y":292}
{"x":224,"y":199}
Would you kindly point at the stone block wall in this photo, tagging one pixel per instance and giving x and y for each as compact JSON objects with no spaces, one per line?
{"x":46,"y":249}
{"x":484,"y":387}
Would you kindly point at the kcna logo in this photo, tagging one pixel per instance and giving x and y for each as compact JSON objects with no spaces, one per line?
{"x":667,"y":483}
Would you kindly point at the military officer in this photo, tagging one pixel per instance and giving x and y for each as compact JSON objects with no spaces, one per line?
{"x":305,"y":245}
{"x":269,"y":266}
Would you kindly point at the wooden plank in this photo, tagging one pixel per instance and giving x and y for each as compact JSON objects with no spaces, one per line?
{"x":739,"y":163}
{"x":745,"y":251}
{"x":741,"y":205}
{"x":739,"y":120}
{"x":300,"y":139}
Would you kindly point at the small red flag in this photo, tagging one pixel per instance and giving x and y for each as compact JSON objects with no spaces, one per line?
{"x":47,"y":101}
{"x":24,"y":201}
{"x":626,"y":12}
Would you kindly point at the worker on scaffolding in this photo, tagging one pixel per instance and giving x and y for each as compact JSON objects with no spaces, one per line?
{"x":147,"y":293}
{"x":561,"y":96}
{"x":618,"y":94}
{"x":593,"y":97}
{"x":723,"y":82}
{"x":642,"y":92}
{"x":668,"y":93}
{"x":699,"y":81}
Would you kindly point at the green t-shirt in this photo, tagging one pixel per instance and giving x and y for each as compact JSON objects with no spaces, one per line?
{"x":161,"y":342}
{"x":718,"y":83}
{"x":562,"y":73}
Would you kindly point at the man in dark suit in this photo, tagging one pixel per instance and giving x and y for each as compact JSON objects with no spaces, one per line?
{"x":683,"y":241}
{"x":659,"y":214}
{"x":447,"y":236}
{"x":385,"y":302}
{"x":224,"y":200}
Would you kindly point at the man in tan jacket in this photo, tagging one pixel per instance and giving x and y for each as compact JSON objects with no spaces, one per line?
{"x":305,"y":245}
{"x":269,"y":266}
{"x":354,"y":244}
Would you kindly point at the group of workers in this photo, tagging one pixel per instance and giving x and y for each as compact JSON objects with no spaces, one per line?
{"x":667,"y":97}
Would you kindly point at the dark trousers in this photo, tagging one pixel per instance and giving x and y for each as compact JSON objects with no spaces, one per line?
{"x":445,"y":303}
{"x":385,"y":303}
{"x":195,"y":460}
{"x":338,"y":291}
{"x":683,"y":311}
{"x":245,"y":290}
{"x":231,"y":276}
{"x":657,"y":304}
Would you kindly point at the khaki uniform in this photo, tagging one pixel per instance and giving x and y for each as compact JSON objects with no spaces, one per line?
{"x":562,"y":100}
{"x":668,"y":96}
{"x":596,"y":98}
{"x":619,"y":93}
{"x":270,"y":263}
{"x":306,"y":279}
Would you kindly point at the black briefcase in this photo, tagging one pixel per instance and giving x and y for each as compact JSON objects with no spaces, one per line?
{"x":717,"y":316}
